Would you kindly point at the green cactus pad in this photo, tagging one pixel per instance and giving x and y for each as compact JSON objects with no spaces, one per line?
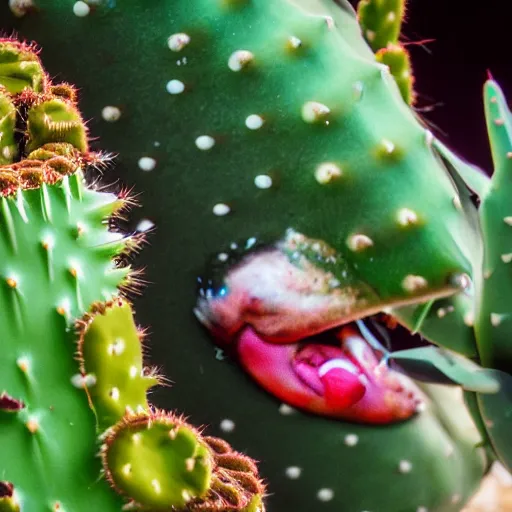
{"x":20,"y":67}
{"x":55,"y":120}
{"x":53,"y":232}
{"x":110,"y":352}
{"x":399,"y":62}
{"x":494,"y":317}
{"x":157,"y":461}
{"x":381,"y":21}
{"x":8,"y":147}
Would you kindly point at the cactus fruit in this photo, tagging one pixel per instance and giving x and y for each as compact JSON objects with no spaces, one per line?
{"x":381,"y":22}
{"x":61,"y":261}
{"x":272,"y":141}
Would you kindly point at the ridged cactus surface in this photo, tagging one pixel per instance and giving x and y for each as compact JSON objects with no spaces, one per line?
{"x":253,"y":120}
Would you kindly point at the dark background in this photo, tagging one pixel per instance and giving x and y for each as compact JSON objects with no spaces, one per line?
{"x":468,"y":38}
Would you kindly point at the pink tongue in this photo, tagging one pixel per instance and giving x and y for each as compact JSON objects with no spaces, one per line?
{"x":342,"y":388}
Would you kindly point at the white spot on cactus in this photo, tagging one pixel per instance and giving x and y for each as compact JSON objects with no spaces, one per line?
{"x":116,"y":348}
{"x":175,"y":87}
{"x":205,"y":142}
{"x":327,"y":172}
{"x":457,"y":203}
{"x":190,"y":464}
{"x":388,"y":146}
{"x":509,"y":154}
{"x":177,"y":42}
{"x":173,"y":433}
{"x":412,"y":283}
{"x":114,"y":394}
{"x":111,"y":114}
{"x":405,"y":466}
{"x":23,"y":364}
{"x":329,"y":20}
{"x":391,"y":17}
{"x":506,"y":258}
{"x":295,"y":42}
{"x":407,"y":217}
{"x":469,"y":319}
{"x":351,"y":439}
{"x":359,"y":242}
{"x":80,"y":381}
{"x":254,"y":122}
{"x":508,"y":221}
{"x":239,"y":60}
{"x":499,"y":122}
{"x":20,"y":7}
{"x":156,"y":486}
{"x":422,"y":509}
{"x":81,"y":9}
{"x":144,"y":225}
{"x":286,"y":410}
{"x":136,"y":438}
{"x":496,"y":319}
{"x":293,"y":472}
{"x":358,"y":88}
{"x":32,"y":424}
{"x":186,"y":496}
{"x":222,"y":256}
{"x":227,"y":425}
{"x":263,"y":181}
{"x":325,"y":494}
{"x":429,"y":137}
{"x":126,"y":469}
{"x":313,"y":111}
{"x":221,"y":209}
{"x":370,"y":35}
{"x":146,"y":163}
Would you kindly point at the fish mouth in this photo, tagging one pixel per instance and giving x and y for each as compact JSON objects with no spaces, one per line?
{"x":337,"y":374}
{"x":301,"y":337}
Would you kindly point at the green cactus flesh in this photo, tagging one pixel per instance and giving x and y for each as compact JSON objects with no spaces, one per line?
{"x":157,"y":462}
{"x":294,"y":62}
{"x":399,"y":62}
{"x":109,"y":345}
{"x":494,"y":312}
{"x":49,"y":273}
{"x":381,"y":21}
{"x":61,"y":261}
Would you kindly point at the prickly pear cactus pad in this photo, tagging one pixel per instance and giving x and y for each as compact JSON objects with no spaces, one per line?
{"x":61,"y":390}
{"x":247,"y":122}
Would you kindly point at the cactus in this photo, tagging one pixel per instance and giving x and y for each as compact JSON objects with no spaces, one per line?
{"x":381,"y":23}
{"x":62,"y":262}
{"x":279,"y":149}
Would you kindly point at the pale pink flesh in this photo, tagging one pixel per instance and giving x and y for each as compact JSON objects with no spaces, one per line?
{"x":344,"y":382}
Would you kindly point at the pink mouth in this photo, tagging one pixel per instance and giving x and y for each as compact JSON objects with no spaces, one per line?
{"x":343,"y":381}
